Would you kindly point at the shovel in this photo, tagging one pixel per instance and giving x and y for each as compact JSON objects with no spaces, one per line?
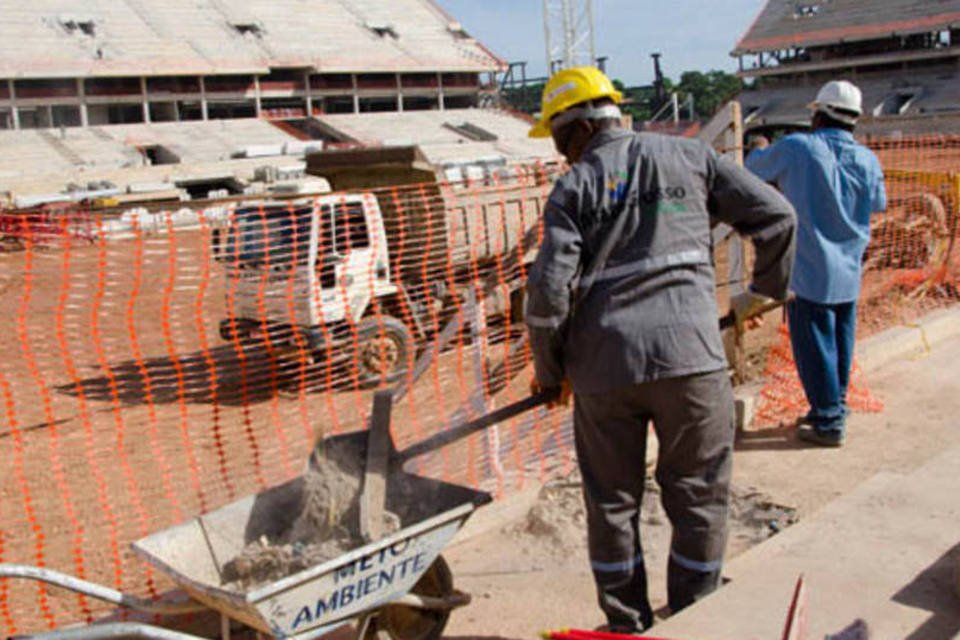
{"x":375,"y":450}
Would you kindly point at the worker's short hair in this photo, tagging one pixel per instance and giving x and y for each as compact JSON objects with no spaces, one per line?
{"x":833,"y":123}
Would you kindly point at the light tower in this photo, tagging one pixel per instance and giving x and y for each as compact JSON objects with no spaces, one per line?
{"x":568,"y":31}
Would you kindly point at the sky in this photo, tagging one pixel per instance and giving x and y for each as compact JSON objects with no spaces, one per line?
{"x":691,"y":35}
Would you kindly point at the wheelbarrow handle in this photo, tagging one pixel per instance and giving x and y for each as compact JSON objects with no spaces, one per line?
{"x":100,"y":592}
{"x":462,"y":431}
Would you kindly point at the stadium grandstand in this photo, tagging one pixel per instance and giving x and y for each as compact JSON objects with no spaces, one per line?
{"x":200,"y":95}
{"x":904,"y":55}
{"x":128,"y":61}
{"x":56,"y":165}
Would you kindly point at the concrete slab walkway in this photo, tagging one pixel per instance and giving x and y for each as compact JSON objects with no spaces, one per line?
{"x":884,"y":552}
{"x":517,"y":596}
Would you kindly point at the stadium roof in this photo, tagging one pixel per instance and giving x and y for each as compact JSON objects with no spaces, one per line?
{"x":51,"y":38}
{"x":783,"y":24}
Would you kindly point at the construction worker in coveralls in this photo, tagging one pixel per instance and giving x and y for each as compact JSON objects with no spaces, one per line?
{"x":622,"y":308}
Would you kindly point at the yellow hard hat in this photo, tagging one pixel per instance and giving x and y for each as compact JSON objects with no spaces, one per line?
{"x":567,"y":88}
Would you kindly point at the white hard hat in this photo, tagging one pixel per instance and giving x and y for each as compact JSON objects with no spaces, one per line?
{"x":839,"y":99}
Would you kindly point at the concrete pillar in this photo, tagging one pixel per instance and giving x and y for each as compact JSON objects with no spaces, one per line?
{"x":82,"y":97}
{"x":13,"y":104}
{"x":256,"y":95}
{"x":440,"y":97}
{"x":399,"y":93}
{"x":356,"y":96}
{"x":203,"y":99}
{"x":146,"y":99}
{"x":306,"y":87}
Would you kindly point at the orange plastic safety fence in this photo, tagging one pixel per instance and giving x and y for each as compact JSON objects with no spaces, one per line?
{"x":159,"y":365}
{"x":782,"y":400}
{"x":911,"y":265}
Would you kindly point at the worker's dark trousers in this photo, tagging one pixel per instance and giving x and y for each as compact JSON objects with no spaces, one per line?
{"x":694,"y":423}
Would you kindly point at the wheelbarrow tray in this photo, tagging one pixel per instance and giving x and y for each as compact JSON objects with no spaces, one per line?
{"x":320,"y":598}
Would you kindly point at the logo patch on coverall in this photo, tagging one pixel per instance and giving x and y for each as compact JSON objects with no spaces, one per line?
{"x":617,"y":187}
{"x":665,"y":200}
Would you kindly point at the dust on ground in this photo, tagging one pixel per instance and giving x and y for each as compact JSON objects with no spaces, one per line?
{"x":325,"y":526}
{"x":557,"y":521}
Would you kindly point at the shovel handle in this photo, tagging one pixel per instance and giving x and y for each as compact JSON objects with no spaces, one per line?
{"x":509,"y":411}
{"x":467,"y":428}
{"x":730,"y":319}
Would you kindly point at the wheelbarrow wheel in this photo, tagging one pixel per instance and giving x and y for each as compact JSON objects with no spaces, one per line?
{"x":402,"y":622}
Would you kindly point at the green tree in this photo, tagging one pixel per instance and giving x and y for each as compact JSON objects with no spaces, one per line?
{"x":640,"y":102}
{"x":525,"y":99}
{"x":710,"y":90}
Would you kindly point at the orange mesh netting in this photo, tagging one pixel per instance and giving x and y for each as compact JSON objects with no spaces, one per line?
{"x":158,"y":365}
{"x":782,"y":400}
{"x":161,"y":364}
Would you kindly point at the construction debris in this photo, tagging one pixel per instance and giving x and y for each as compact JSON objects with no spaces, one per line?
{"x":325,"y":526}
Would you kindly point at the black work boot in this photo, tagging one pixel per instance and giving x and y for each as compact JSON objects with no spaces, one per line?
{"x":821,"y":437}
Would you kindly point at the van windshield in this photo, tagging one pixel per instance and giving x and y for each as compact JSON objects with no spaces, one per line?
{"x":270,"y":236}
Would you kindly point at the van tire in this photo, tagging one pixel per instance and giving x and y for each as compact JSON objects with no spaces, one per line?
{"x":384,"y":350}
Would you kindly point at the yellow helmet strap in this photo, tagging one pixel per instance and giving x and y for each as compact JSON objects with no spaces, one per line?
{"x":585,"y":112}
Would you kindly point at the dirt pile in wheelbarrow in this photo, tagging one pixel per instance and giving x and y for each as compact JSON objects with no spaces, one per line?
{"x":327,"y":521}
{"x":325,"y":525}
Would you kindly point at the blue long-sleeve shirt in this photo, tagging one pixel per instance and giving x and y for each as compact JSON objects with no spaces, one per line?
{"x":834,"y":183}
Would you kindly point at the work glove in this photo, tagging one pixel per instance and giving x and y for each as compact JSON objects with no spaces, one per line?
{"x":564,"y":393}
{"x":748,"y":304}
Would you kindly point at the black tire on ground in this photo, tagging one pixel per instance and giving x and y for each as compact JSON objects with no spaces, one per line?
{"x":410,"y":623}
{"x":384,"y":350}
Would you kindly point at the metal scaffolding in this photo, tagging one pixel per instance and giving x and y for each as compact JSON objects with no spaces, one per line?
{"x":568,"y":32}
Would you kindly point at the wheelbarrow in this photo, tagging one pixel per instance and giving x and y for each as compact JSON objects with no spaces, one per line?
{"x":399,"y":584}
